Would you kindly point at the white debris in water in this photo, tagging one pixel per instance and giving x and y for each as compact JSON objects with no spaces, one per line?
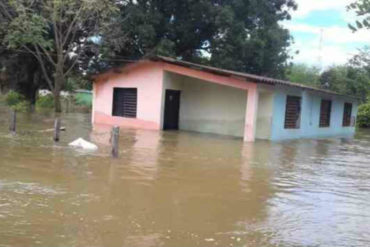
{"x":209,"y":239}
{"x":81,"y":143}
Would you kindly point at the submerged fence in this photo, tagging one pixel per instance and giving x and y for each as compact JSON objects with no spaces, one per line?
{"x":114,"y":139}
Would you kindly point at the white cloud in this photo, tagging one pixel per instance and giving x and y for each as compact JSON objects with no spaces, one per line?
{"x":339,"y":42}
{"x":333,"y":34}
{"x":310,"y":53}
{"x":305,"y":7}
{"x":334,"y":49}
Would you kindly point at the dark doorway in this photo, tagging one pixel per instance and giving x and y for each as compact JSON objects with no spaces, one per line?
{"x":171,"y":110}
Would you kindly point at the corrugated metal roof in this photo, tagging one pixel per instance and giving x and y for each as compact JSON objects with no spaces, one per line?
{"x":249,"y":77}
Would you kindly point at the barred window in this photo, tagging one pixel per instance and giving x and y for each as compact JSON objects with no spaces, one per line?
{"x":325,"y":112}
{"x":293,"y":112}
{"x":124,"y":102}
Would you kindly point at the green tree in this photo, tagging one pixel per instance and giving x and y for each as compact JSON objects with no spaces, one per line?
{"x":362,"y":10}
{"x":253,"y":40}
{"x":242,"y":35}
{"x":362,"y":59}
{"x":20,"y":71}
{"x":363,"y":116}
{"x":347,"y":80}
{"x":302,"y":73}
{"x":56,"y":32}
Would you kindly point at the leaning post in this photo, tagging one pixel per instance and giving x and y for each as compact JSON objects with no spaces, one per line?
{"x":13,"y":121}
{"x":56,"y":130}
{"x":115,"y":140}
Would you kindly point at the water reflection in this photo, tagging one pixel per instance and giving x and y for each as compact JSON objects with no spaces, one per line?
{"x":180,"y":189}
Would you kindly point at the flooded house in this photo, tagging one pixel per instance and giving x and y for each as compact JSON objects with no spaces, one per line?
{"x":162,"y":93}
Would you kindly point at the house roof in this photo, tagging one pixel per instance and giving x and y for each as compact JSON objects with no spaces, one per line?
{"x":249,"y":77}
{"x":246,"y":76}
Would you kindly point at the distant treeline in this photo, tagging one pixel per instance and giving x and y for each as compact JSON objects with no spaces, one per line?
{"x":352,"y":78}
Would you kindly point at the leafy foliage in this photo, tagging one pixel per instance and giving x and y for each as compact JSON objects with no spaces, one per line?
{"x":362,"y":10}
{"x":23,"y":106}
{"x":17,"y":102}
{"x":56,"y":32}
{"x":253,"y":40}
{"x":302,"y":73}
{"x":242,"y":35}
{"x":347,"y":80}
{"x":13,"y":98}
{"x":363,"y":116}
{"x":350,"y":79}
{"x":362,"y":59}
{"x":46,"y":101}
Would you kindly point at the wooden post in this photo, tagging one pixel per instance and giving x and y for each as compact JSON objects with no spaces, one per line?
{"x":13,"y":121}
{"x":115,"y":139}
{"x":66,"y":105}
{"x":56,"y":130}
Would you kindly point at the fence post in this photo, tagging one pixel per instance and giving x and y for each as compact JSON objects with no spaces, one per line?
{"x":56,"y":130}
{"x":115,"y":140}
{"x":13,"y":121}
{"x":67,"y":105}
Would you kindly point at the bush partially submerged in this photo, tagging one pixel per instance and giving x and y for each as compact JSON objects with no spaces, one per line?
{"x":363,"y":116}
{"x":46,"y":101}
{"x":17,"y":102}
{"x":13,"y":98}
{"x":22,"y":106}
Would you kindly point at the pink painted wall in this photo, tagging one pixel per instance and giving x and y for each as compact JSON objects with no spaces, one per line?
{"x":251,"y":114}
{"x":147,"y":77}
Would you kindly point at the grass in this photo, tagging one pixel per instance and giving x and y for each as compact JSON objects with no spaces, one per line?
{"x":79,"y":102}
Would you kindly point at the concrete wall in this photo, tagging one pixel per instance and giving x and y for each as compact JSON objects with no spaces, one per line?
{"x":264,"y":115}
{"x":310,"y":116}
{"x":147,"y":78}
{"x":207,"y":107}
{"x":213,"y":104}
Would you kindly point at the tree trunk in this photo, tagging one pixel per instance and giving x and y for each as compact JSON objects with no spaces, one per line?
{"x":57,"y":104}
{"x":59,"y":82}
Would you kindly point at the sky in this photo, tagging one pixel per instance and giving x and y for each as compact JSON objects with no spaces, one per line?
{"x":327,"y":20}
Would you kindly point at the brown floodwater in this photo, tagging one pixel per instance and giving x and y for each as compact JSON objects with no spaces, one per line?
{"x":179,"y":189}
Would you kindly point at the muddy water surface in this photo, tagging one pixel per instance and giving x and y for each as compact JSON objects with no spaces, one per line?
{"x":179,"y":189}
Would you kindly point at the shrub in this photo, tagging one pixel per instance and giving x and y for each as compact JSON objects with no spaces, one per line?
{"x":363,"y":116}
{"x":46,"y":101}
{"x":17,"y":102}
{"x":13,"y":98}
{"x":22,"y":106}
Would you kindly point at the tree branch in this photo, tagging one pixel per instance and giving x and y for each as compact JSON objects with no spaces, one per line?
{"x":47,"y":55}
{"x":71,"y":26}
{"x":5,"y":11}
{"x":73,"y":64}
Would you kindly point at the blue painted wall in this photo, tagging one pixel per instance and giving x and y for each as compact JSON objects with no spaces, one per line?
{"x":310,"y":115}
